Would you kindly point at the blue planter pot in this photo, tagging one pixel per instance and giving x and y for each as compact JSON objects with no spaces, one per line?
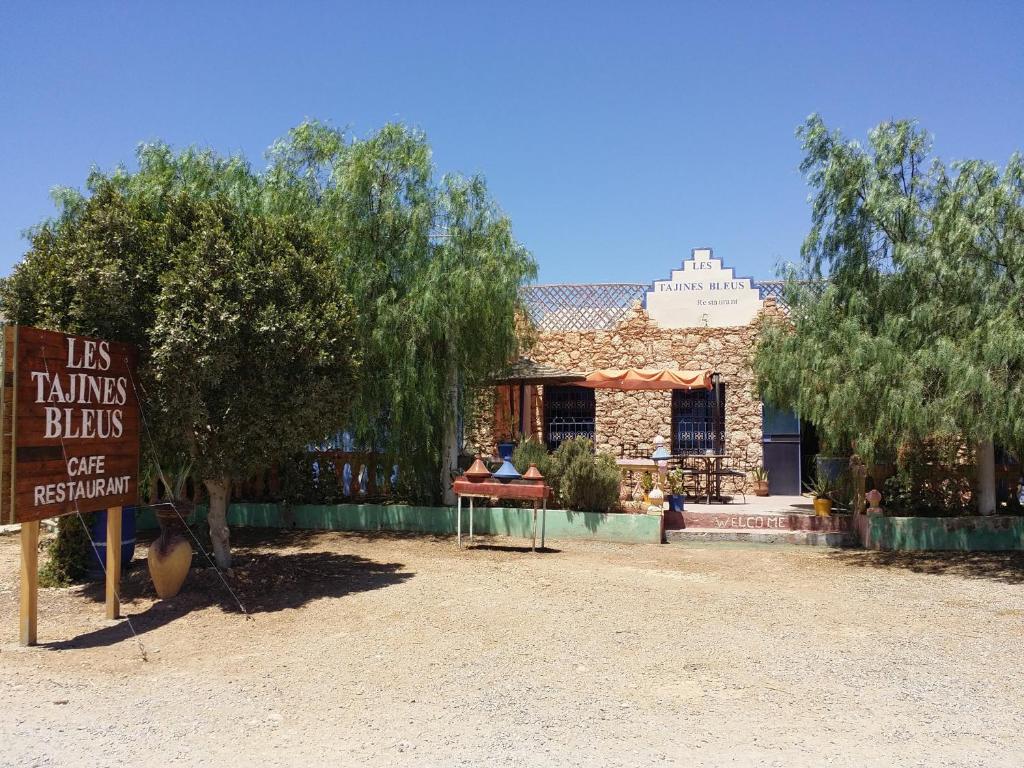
{"x":98,"y":534}
{"x":832,"y":467}
{"x":675,"y":503}
{"x":505,"y":450}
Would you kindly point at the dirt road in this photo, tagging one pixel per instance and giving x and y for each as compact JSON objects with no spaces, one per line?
{"x":404,"y":651}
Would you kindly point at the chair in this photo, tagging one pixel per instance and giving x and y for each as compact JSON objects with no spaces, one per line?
{"x":737,"y":468}
{"x":690,"y":472}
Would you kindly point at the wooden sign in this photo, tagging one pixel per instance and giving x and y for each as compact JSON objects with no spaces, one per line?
{"x":70,"y":425}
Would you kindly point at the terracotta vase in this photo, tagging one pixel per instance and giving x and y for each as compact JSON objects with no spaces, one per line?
{"x":170,"y":556}
{"x":761,"y":488}
{"x":874,"y":498}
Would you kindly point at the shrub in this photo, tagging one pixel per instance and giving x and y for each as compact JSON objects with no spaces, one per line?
{"x":68,"y":552}
{"x":933,"y":478}
{"x":583,"y":481}
{"x":531,"y":451}
{"x":298,"y":484}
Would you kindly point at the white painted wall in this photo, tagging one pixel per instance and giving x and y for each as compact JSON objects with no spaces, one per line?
{"x":703,"y":294}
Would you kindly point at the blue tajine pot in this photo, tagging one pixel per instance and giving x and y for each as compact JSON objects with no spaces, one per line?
{"x":506,"y":472}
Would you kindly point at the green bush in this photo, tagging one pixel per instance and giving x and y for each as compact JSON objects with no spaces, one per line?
{"x":309,"y":478}
{"x":297,"y":481}
{"x":531,"y":451}
{"x":932,"y":479}
{"x":68,"y":553}
{"x":582,"y":480}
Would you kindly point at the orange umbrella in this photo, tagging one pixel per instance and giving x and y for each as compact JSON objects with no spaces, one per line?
{"x":647,"y":378}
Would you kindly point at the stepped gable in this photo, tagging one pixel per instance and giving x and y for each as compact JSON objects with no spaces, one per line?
{"x":703,"y":294}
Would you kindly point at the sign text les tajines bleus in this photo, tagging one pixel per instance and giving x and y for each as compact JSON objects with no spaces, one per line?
{"x":72,"y":418}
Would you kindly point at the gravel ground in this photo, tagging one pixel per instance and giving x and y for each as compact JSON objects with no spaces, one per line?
{"x":401,"y":650}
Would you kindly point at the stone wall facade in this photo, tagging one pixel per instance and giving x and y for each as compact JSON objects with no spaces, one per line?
{"x":626,"y":422}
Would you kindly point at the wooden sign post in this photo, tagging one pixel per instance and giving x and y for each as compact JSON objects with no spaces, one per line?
{"x":29,"y":583}
{"x":69,"y":443}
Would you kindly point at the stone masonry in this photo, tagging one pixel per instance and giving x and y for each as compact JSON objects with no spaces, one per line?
{"x":628,"y":421}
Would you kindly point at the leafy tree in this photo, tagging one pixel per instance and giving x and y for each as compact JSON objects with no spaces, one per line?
{"x":254,"y":297}
{"x":435,"y":271}
{"x":907,"y":318}
{"x":261,"y":362}
{"x":245,"y":330}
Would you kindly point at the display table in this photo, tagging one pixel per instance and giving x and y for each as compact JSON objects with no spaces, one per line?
{"x":519,"y":490}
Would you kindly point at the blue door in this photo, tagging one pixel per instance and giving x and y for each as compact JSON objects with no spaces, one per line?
{"x":780,"y":429}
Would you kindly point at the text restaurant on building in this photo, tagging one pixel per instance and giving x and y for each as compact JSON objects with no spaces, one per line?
{"x":623,"y":363}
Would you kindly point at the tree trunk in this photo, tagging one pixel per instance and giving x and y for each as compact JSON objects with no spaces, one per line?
{"x":859,"y":472}
{"x":219,"y":490}
{"x":450,"y":453}
{"x":986,"y":459}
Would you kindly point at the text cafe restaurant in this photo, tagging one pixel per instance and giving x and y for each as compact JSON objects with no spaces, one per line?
{"x":701,"y":323}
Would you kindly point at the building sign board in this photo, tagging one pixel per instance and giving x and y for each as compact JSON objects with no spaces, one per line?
{"x":703,"y":294}
{"x":70,"y":425}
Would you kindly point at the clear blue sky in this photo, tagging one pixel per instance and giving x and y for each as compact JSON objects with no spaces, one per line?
{"x":617,"y":136}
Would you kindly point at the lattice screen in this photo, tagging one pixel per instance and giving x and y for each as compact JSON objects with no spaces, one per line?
{"x":771,"y":289}
{"x":581,"y":307}
{"x":596,"y":306}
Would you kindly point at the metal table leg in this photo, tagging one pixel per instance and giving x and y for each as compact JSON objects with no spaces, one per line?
{"x":544,"y":523}
{"x":470,"y":519}
{"x":533,"y":547}
{"x":459,"y":529}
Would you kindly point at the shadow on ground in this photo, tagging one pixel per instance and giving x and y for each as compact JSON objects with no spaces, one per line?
{"x":511,"y":548}
{"x":267,"y":575}
{"x":1006,"y":567}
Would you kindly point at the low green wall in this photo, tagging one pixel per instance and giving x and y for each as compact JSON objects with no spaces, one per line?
{"x":505,"y":521}
{"x":959,"y":534}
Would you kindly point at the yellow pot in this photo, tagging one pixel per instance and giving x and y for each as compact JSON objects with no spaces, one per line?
{"x":823,"y":507}
{"x":169,"y":559}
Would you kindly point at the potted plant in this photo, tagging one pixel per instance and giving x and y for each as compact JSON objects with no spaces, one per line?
{"x":833,"y":458}
{"x":647,"y":484}
{"x":760,"y":475}
{"x":821,"y":490}
{"x":678,"y":491}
